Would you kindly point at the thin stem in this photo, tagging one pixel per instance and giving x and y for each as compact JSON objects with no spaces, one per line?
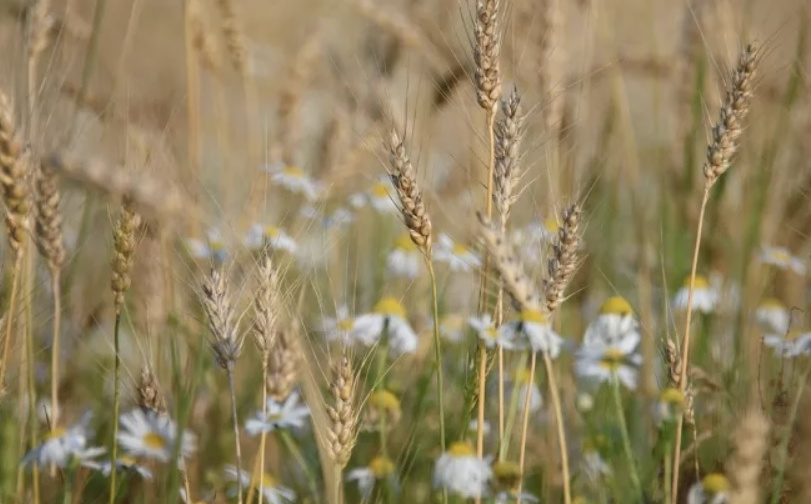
{"x":438,"y":355}
{"x":481,"y":402}
{"x":338,"y":479}
{"x":291,"y":445}
{"x":500,"y":401}
{"x":685,"y":345}
{"x":28,"y":348}
{"x":525,"y":428}
{"x":230,"y":372}
{"x":116,"y":404}
{"x":512,"y":412}
{"x":668,"y":470}
{"x":626,"y":440}
{"x":564,"y":452}
{"x":57,"y":300}
{"x":10,"y":318}
{"x":263,"y":437}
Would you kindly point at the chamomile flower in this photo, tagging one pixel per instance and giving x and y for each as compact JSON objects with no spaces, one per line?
{"x":379,"y":197}
{"x":781,"y":258}
{"x":338,"y":327}
{"x":773,"y":317}
{"x":615,"y":322}
{"x":295,"y":180}
{"x":405,"y":259}
{"x":670,"y":405}
{"x":520,"y":385}
{"x":213,"y":247}
{"x":457,"y":256}
{"x":379,"y":469}
{"x":338,"y":218}
{"x":271,"y":490}
{"x":545,"y":231}
{"x":705,"y":297}
{"x":452,"y":327}
{"x":532,"y":328}
{"x":276,"y":238}
{"x":64,"y":446}
{"x":149,"y":435}
{"x":388,"y":315}
{"x":793,"y":344}
{"x":382,"y":407}
{"x":487,"y":332}
{"x":593,"y":465}
{"x":604,"y":362}
{"x":473,"y":426}
{"x":461,"y":472}
{"x":712,"y":489}
{"x":122,"y":464}
{"x":289,"y":414}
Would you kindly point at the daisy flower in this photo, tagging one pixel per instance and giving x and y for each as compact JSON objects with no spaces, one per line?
{"x":670,"y":405}
{"x":378,"y":197}
{"x":122,"y":464}
{"x":271,"y":490}
{"x":487,"y":332}
{"x":593,"y":465}
{"x":712,"y":489}
{"x":705,"y":296}
{"x":458,"y":257}
{"x":615,"y":322}
{"x":149,"y":435}
{"x":276,"y":238}
{"x":520,"y":385}
{"x":461,"y":472}
{"x":213,"y":247}
{"x":773,"y":317}
{"x":532,"y":327}
{"x":617,"y":361}
{"x":295,"y":180}
{"x":380,"y":468}
{"x":64,"y":446}
{"x":381,"y":405}
{"x":290,"y":414}
{"x":338,"y":327}
{"x":793,"y":344}
{"x":545,"y":231}
{"x":390,"y":316}
{"x":405,"y":259}
{"x":452,"y":327}
{"x":473,"y":426}
{"x":782,"y":258}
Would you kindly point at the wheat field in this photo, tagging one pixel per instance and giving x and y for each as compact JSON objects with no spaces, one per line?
{"x":390,"y":251}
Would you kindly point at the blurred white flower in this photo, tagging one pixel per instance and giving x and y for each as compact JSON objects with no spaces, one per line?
{"x":669,"y":406}
{"x":712,"y":489}
{"x":545,"y":232}
{"x":773,"y":317}
{"x":390,"y":316}
{"x":605,"y":362}
{"x":489,"y":334}
{"x":295,"y":180}
{"x":338,"y":327}
{"x":64,"y":446}
{"x":452,"y":327}
{"x":593,"y":464}
{"x":289,"y":414}
{"x":532,"y":328}
{"x":212,"y":248}
{"x":380,"y":468}
{"x":457,"y":256}
{"x":461,"y":472}
{"x":379,"y":196}
{"x":705,"y":296}
{"x":150,"y":435}
{"x":405,"y":259}
{"x":271,"y":490}
{"x":793,"y":344}
{"x":122,"y":464}
{"x":782,"y":258}
{"x":615,"y":322}
{"x":276,"y":238}
{"x":520,"y":384}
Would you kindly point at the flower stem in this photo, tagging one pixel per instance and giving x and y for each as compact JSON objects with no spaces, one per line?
{"x":626,"y":440}
{"x":294,"y":450}
{"x":564,"y":451}
{"x":238,"y":451}
{"x":57,"y":300}
{"x":438,"y":355}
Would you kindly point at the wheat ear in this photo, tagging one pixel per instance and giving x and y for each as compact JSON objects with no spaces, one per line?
{"x":563,"y":263}
{"x":343,"y":415}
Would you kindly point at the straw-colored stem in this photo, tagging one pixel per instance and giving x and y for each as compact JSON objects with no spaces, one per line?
{"x":264,"y":436}
{"x":522,"y":453}
{"x":57,"y":300}
{"x":437,"y":354}
{"x":500,"y":401}
{"x":237,"y":449}
{"x":116,"y":404}
{"x":481,"y":395}
{"x":15,"y":281}
{"x":28,"y":348}
{"x":626,"y":440}
{"x":564,"y":451}
{"x":685,"y":345}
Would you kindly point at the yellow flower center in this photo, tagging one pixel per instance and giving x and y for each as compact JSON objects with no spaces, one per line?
{"x":491,"y":333}
{"x":391,"y":307}
{"x":508,"y":474}
{"x":522,"y":375}
{"x":772,"y":304}
{"x":672,"y":395}
{"x":461,"y":449}
{"x":612,"y":359}
{"x":268,"y":481}
{"x":293,"y":171}
{"x":271,"y":232}
{"x":127,"y":461}
{"x":380,"y":190}
{"x":533,"y":316}
{"x":404,"y":242}
{"x":154,"y":441}
{"x":551,"y":225}
{"x":715,"y":483}
{"x":616,"y":305}
{"x":780,"y":256}
{"x":384,"y":400}
{"x":381,"y":467}
{"x":216,"y":246}
{"x":459,"y":249}
{"x":345,"y":324}
{"x":701,"y":282}
{"x":56,"y":433}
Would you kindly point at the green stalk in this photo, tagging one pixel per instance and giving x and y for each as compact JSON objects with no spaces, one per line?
{"x":116,"y":406}
{"x":294,"y":450}
{"x":512,"y":412}
{"x":438,"y":354}
{"x":626,"y":440}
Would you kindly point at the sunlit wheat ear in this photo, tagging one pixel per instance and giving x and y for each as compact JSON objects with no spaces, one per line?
{"x":13,"y":172}
{"x":234,"y":37}
{"x":284,"y":358}
{"x":150,"y":396}
{"x":744,"y":468}
{"x":563,"y":262}
{"x":727,"y":131}
{"x":343,"y":413}
{"x":124,"y":250}
{"x":516,"y":282}
{"x":48,"y":218}
{"x":412,"y":207}
{"x":507,"y":173}
{"x":487,"y":40}
{"x":266,"y":306}
{"x":216,"y":300}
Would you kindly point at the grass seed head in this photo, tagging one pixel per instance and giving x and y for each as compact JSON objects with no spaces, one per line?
{"x":404,"y":178}
{"x":507,"y":172}
{"x":487,"y":40}
{"x":124,"y":251}
{"x":563,"y":263}
{"x":282,"y":365}
{"x":343,"y":415}
{"x":48,"y":217}
{"x":227,"y":343}
{"x":14,"y":169}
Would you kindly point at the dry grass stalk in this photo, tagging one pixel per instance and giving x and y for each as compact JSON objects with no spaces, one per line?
{"x":48,"y":218}
{"x":150,"y":396}
{"x":550,"y":64}
{"x":412,"y":207}
{"x":343,"y":414}
{"x":124,"y":250}
{"x":13,"y":174}
{"x":40,"y":28}
{"x":727,"y":131}
{"x":486,"y":54}
{"x":216,"y":300}
{"x":282,"y":366}
{"x":507,"y":172}
{"x":744,"y":467}
{"x":234,"y":37}
{"x":150,"y":194}
{"x":563,"y":263}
